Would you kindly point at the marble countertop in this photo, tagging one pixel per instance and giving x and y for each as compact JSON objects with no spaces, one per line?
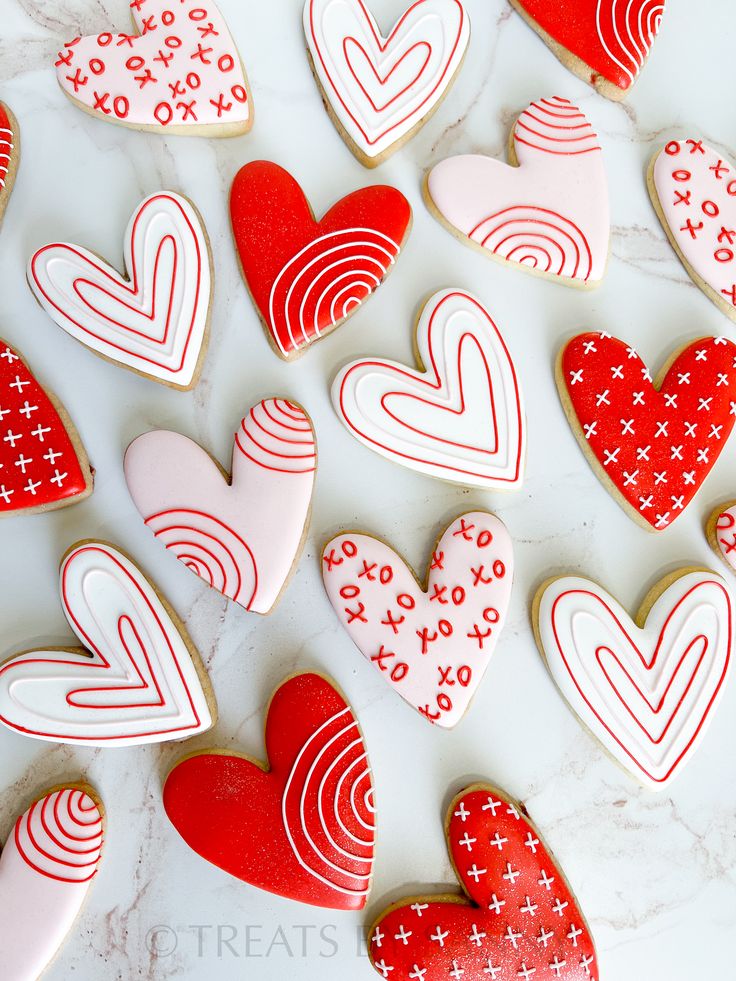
{"x":655,"y":874}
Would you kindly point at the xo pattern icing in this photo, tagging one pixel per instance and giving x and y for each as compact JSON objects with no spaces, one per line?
{"x":648,"y":693}
{"x":304,"y":828}
{"x":520,"y":919}
{"x":695,"y":191}
{"x":459,"y":418}
{"x":241,"y":537}
{"x":39,"y":464}
{"x":432,"y":646}
{"x":611,"y":38}
{"x":307,"y":277}
{"x":550,"y":214}
{"x":656,"y":444}
{"x":383,"y":88}
{"x":47,"y":865}
{"x":134,"y":680}
{"x":725,"y":536}
{"x":180,"y":72}
{"x":156,"y":321}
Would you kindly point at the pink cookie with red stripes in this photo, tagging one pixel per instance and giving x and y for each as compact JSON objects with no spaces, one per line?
{"x":550,"y":214}
{"x":241,"y":532}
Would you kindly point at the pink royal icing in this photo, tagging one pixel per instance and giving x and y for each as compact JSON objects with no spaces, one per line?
{"x":549,"y":214}
{"x":241,"y":537}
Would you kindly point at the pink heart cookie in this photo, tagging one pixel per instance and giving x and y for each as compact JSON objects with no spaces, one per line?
{"x":693,"y":190}
{"x":180,"y":73}
{"x":241,"y":535}
{"x":431,"y":645}
{"x":550,"y":214}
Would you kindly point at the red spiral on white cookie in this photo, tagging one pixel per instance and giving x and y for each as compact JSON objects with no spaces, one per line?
{"x":539,"y":238}
{"x":60,"y":836}
{"x":327,"y":807}
{"x":626,"y":30}
{"x":556,"y":126}
{"x":323,"y":283}
{"x":277,"y":435}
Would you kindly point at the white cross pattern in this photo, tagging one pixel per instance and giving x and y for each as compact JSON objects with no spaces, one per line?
{"x":511,"y":874}
{"x":556,"y":965}
{"x":495,"y":906}
{"x":418,"y":908}
{"x":439,"y":936}
{"x":418,"y":973}
{"x":467,"y":841}
{"x":498,"y":842}
{"x":512,"y":936}
{"x":491,"y":806}
{"x":475,"y":873}
{"x":546,"y":880}
{"x":456,"y":972}
{"x":403,"y":935}
{"x":476,"y":937}
{"x":526,"y":972}
{"x":383,"y":967}
{"x":529,"y":907}
{"x":574,"y":933}
{"x":491,"y":969}
{"x":544,"y":937}
{"x":378,"y":937}
{"x":462,"y":812}
{"x":531,"y":843}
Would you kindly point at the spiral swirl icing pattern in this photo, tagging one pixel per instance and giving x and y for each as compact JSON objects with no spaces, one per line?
{"x":60,"y":835}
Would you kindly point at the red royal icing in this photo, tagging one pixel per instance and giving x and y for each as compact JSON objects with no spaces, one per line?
{"x":522,"y":922}
{"x":612,"y":37}
{"x":39,"y":466}
{"x":8,"y":153}
{"x":656,"y":446}
{"x":304,"y":828}
{"x":307,"y":276}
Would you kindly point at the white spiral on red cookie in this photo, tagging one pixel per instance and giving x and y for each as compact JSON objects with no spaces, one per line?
{"x":6,"y":146}
{"x":60,"y":836}
{"x":328,"y":799}
{"x":325,"y":281}
{"x":627,"y":29}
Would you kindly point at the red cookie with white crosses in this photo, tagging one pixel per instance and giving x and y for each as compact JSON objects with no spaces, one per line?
{"x":180,"y":72}
{"x":9,"y":154}
{"x":306,"y":277}
{"x":652,"y":443}
{"x":432,"y":643}
{"x":43,"y":464}
{"x":518,"y":920}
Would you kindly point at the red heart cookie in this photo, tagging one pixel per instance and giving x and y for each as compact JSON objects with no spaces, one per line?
{"x":653,"y":443}
{"x":9,"y":154}
{"x":604,"y":42}
{"x":302,"y":828}
{"x":42,"y":461}
{"x":306,"y":277}
{"x":522,"y":921}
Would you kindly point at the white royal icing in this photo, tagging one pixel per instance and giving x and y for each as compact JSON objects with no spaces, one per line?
{"x":649,"y":693}
{"x":134,"y":682}
{"x":154,"y":323}
{"x":381,"y":88}
{"x":462,"y":418}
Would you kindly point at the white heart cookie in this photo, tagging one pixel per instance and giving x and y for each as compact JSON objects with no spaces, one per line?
{"x":647,"y":691}
{"x":431,"y":645}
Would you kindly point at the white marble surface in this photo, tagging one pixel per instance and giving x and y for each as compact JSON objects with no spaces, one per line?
{"x":654,"y":874}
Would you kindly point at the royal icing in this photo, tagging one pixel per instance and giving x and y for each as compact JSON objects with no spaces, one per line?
{"x":40,"y":465}
{"x":432,"y":646}
{"x":655,"y":444}
{"x":521,"y":921}
{"x":696,"y":194}
{"x":242,"y":537}
{"x":550,"y":214}
{"x":461,"y":418}
{"x":133,"y":681}
{"x":8,"y":155}
{"x":156,"y":321}
{"x":647,"y":693}
{"x":46,"y":869}
{"x":611,"y":38}
{"x":304,"y":827}
{"x":180,"y":71}
{"x":305,"y":276}
{"x":725,"y":535}
{"x":382,"y":88}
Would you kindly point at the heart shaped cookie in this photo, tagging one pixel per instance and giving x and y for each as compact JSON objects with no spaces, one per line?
{"x":9,"y":154}
{"x":693,"y":190}
{"x":381,"y":90}
{"x":241,"y":534}
{"x":432,"y":644}
{"x":43,"y":464}
{"x":307,"y":277}
{"x":549,"y":215}
{"x":652,"y":444}
{"x":520,"y":919}
{"x":136,"y":680}
{"x":179,"y":73}
{"x":721,"y":533}
{"x":460,"y":417}
{"x":157,"y":321}
{"x":46,"y":869}
{"x":647,"y":689}
{"x":604,"y":42}
{"x":302,"y":828}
